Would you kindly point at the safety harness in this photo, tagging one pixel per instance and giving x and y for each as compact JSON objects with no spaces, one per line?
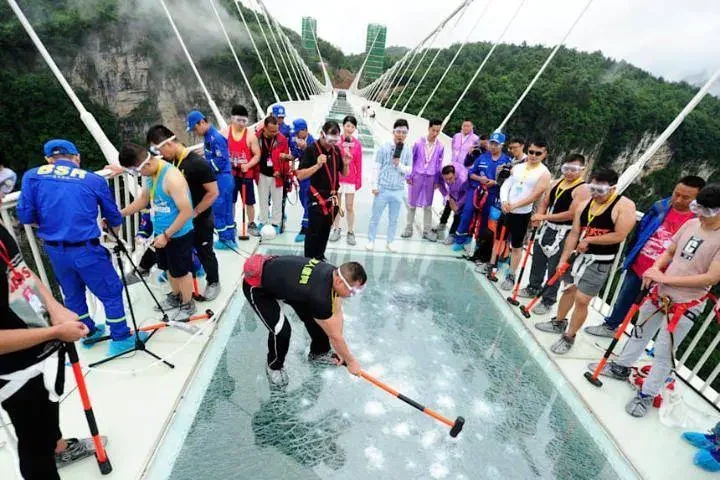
{"x":327,"y":205}
{"x":21,"y":287}
{"x":478,"y":205}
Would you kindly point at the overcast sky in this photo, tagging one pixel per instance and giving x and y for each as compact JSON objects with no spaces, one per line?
{"x":670,"y":38}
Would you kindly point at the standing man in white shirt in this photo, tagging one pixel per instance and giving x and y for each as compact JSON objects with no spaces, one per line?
{"x":526,"y":184}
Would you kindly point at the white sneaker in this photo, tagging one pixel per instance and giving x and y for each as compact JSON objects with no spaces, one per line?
{"x":391,"y":247}
{"x":370,"y":246}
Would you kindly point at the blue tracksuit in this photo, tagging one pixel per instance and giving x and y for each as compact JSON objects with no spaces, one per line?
{"x":218,"y":155}
{"x":285,"y":129}
{"x":63,"y":200}
{"x":304,"y":190}
{"x":484,"y":166}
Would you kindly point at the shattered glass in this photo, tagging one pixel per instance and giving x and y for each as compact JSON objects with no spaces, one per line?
{"x":424,"y":327}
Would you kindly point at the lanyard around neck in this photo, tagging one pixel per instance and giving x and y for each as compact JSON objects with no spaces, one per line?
{"x":156,"y":177}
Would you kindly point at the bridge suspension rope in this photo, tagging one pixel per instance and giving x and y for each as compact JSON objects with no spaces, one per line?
{"x":272,"y":54}
{"x":255,"y":100}
{"x":542,"y":69}
{"x":480,"y":67}
{"x":452,"y":61}
{"x":257,"y":52}
{"x":279,"y":52}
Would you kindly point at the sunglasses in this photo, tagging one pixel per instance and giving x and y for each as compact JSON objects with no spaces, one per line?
{"x":535,"y":153}
{"x":353,"y":290}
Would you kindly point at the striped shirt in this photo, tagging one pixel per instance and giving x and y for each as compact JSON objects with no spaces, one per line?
{"x":387,"y":175}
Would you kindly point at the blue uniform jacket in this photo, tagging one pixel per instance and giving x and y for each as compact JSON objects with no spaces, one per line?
{"x":295,"y":150}
{"x":63,"y":200}
{"x":216,"y":151}
{"x":285,"y":129}
{"x":485,"y":166}
{"x":649,"y":224}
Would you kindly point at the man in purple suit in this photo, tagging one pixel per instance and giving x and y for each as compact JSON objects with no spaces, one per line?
{"x":463,"y":143}
{"x":424,"y":178}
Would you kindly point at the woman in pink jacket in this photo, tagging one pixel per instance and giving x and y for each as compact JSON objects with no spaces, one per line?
{"x":351,"y":183}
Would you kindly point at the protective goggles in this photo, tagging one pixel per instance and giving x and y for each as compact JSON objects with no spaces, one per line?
{"x":238,"y":120}
{"x":597,"y":190}
{"x":571,"y":168}
{"x":136,"y":170}
{"x":155,"y":149}
{"x":332,"y":139}
{"x":701,"y":211}
{"x":401,"y":131}
{"x":353,"y":290}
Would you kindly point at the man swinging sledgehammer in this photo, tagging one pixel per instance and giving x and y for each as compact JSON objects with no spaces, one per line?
{"x":315,"y":290}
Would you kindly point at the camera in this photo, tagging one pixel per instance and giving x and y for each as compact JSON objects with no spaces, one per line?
{"x":503,"y":174}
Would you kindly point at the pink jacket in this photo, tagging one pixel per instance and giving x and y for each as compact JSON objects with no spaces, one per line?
{"x":354,"y":176}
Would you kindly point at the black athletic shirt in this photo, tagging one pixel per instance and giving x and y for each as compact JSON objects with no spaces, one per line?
{"x":266,"y":146}
{"x":11,"y":362}
{"x":562,"y":203}
{"x":197,"y":173}
{"x":301,"y":281}
{"x":327,"y":179}
{"x":600,"y":225}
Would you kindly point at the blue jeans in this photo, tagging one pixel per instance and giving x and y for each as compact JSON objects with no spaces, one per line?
{"x":629,"y":290}
{"x":393,"y":199}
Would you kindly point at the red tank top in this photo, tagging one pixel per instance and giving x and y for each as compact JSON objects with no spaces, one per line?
{"x":239,"y":154}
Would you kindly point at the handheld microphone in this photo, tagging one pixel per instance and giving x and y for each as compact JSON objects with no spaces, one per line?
{"x":398,"y":150}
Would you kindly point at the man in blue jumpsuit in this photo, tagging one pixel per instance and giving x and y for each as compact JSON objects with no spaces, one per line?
{"x":482,"y":174}
{"x":300,"y":139}
{"x":278,"y":112}
{"x":218,"y":155}
{"x":62,"y":200}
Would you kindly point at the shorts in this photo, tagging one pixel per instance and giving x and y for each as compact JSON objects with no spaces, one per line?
{"x":516,"y":225}
{"x":249,"y":190}
{"x":346,"y":188}
{"x":592,"y":280}
{"x":176,"y":256}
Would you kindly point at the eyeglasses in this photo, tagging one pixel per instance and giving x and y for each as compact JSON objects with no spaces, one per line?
{"x":535,"y":153}
{"x":136,"y":170}
{"x":353,"y":290}
{"x":401,"y":131}
{"x":238,"y":120}
{"x":570,"y":168}
{"x":701,"y":211}
{"x":332,"y":139}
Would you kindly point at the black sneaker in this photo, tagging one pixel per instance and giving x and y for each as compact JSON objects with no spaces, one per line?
{"x":77,"y":449}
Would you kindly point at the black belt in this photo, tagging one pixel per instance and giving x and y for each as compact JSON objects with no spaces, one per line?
{"x":54,"y":243}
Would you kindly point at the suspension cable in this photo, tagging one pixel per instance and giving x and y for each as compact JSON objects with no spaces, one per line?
{"x":258,"y":107}
{"x":452,"y":61}
{"x":406,"y":67}
{"x":422,"y":57}
{"x":356,"y":80}
{"x":460,"y":13}
{"x":257,"y":52}
{"x":272,"y":54}
{"x":544,"y":66}
{"x":216,"y":111}
{"x":302,"y":86}
{"x":631,"y":173}
{"x":279,"y":51}
{"x":487,"y":57}
{"x":328,"y":83}
{"x":106,"y":147}
{"x":432,"y":62}
{"x":390,"y":78}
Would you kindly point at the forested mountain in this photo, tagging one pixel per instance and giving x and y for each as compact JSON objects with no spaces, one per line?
{"x":128,"y":69}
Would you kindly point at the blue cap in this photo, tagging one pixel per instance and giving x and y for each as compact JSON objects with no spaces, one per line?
{"x":497,"y":137}
{"x":278,"y":111}
{"x":193,"y":118}
{"x":58,"y":146}
{"x":299,"y":124}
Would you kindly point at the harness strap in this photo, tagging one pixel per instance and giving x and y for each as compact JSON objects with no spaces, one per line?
{"x":560,"y":233}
